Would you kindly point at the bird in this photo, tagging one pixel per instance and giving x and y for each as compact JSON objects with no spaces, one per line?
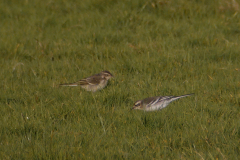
{"x":156,"y":103}
{"x":93,"y":83}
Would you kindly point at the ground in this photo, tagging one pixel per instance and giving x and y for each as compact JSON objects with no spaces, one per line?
{"x":152,"y":48}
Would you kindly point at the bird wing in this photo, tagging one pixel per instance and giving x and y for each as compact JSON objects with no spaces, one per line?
{"x":156,"y":100}
{"x":164,"y":100}
{"x":93,"y":80}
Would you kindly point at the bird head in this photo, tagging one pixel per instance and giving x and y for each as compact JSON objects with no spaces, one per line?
{"x":137,"y":105}
{"x":106,"y":74}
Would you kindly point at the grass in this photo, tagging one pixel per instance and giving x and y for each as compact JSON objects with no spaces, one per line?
{"x":151,"y":47}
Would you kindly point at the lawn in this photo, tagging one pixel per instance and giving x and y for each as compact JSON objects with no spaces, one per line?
{"x":152,"y":48}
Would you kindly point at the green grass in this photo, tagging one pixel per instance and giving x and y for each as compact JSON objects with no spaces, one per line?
{"x":152,"y":48}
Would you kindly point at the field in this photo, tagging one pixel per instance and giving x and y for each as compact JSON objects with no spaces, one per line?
{"x":152,"y":48}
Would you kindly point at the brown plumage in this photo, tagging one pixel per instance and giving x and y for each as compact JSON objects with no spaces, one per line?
{"x":94,"y":82}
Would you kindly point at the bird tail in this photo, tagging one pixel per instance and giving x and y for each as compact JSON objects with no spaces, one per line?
{"x":178,"y":97}
{"x":69,"y":84}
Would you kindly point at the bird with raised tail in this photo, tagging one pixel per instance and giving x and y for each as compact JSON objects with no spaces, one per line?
{"x":156,"y":103}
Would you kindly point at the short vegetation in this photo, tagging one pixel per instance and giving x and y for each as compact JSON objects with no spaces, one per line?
{"x":153,"y":48}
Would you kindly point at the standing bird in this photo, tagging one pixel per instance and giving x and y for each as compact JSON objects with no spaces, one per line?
{"x":156,"y":103}
{"x":92,"y":83}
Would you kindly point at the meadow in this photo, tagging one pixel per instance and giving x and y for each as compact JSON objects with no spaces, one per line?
{"x":153,"y":48}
